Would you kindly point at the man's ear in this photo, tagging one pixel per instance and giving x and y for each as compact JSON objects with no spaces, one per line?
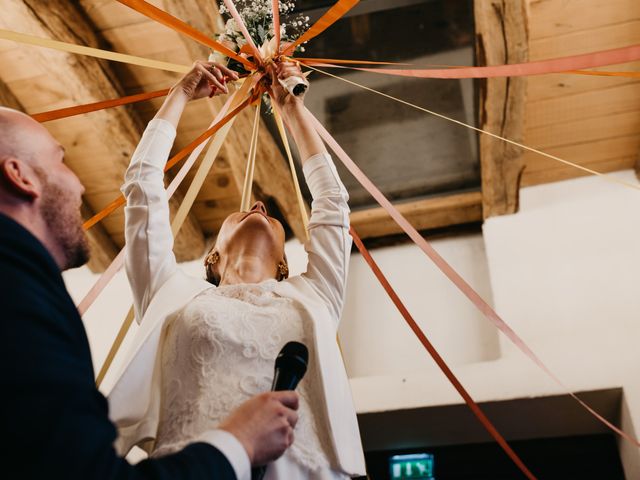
{"x":20,"y":178}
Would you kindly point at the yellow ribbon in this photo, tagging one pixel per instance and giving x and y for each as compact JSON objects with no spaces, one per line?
{"x":122,"y":333}
{"x":91,"y":52}
{"x":283,"y":135}
{"x":207,"y":162}
{"x":251,"y":162}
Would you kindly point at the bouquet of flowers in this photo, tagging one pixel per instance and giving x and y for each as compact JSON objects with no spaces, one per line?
{"x":258,"y":18}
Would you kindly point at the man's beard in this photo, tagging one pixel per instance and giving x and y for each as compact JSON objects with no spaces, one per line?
{"x":62,"y":216}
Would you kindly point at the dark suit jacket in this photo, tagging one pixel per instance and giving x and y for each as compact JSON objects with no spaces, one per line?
{"x":54,"y":422}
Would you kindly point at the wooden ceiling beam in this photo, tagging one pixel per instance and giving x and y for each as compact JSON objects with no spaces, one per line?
{"x":501,"y":38}
{"x":425,"y":214}
{"x":8,"y":99}
{"x":272,"y":177}
{"x":85,"y":80}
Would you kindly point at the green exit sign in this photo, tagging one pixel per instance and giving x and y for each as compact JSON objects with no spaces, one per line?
{"x":417,"y":466}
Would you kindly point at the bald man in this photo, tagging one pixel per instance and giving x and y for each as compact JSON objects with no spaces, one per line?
{"x":54,"y":421}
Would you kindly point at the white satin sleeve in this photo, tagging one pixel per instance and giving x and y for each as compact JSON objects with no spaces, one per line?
{"x":329,"y":245}
{"x":149,"y":258}
{"x":232,"y":449}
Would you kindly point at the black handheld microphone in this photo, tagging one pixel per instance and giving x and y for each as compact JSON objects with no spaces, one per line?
{"x":291,"y":365}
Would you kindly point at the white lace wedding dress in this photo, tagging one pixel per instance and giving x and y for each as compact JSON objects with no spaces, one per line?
{"x":220,"y":351}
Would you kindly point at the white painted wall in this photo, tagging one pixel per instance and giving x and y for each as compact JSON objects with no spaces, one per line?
{"x":375,"y":338}
{"x":564,"y":273}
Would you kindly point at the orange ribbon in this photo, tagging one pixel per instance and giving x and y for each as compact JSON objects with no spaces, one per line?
{"x":475,"y":408}
{"x":118,"y":202}
{"x":179,"y":26}
{"x":93,"y":107}
{"x":334,"y":14}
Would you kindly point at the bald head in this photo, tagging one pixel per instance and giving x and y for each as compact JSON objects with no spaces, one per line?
{"x":23,"y":138}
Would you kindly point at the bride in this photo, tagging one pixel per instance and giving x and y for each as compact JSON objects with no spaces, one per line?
{"x":204,"y":347}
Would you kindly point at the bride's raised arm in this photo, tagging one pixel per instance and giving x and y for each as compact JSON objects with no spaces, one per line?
{"x":149,"y":257}
{"x":329,"y":244}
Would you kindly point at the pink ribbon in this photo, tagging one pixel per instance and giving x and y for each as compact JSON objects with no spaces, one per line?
{"x":451,"y":274}
{"x":556,"y":65}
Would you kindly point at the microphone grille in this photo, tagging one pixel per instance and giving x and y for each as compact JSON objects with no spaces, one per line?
{"x":295,"y":356}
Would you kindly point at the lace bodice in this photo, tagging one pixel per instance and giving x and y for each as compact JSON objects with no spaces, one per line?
{"x":219,"y":351}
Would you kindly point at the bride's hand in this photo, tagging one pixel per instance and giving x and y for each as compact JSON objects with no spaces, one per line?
{"x":204,"y":79}
{"x":281,"y":71}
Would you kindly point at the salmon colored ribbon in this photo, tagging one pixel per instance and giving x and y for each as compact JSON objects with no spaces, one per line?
{"x":475,"y":408}
{"x":344,"y":63}
{"x":118,"y":202}
{"x":93,"y":107}
{"x":179,"y":26}
{"x":104,"y":279}
{"x":275,"y":9}
{"x":334,"y":14}
{"x":451,"y":274}
{"x":556,"y":65}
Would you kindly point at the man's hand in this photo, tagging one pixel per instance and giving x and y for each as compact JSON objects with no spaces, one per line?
{"x":204,"y":79}
{"x":264,"y":425}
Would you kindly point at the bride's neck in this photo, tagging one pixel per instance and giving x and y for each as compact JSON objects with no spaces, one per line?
{"x":247,"y":269}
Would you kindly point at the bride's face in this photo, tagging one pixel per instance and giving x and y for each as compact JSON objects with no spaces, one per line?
{"x":252,"y":232}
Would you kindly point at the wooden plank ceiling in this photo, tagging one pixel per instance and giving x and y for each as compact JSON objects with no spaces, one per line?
{"x":594,"y":121}
{"x":99,"y":145}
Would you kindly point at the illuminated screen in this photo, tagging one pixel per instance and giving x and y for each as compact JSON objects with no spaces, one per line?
{"x":417,"y":466}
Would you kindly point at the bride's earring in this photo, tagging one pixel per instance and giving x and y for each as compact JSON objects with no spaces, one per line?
{"x":283,"y":271}
{"x":209,"y":261}
{"x":212,"y":258}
